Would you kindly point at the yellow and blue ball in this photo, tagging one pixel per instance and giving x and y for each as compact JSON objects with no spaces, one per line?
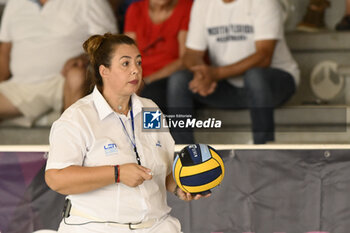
{"x":198,"y":168}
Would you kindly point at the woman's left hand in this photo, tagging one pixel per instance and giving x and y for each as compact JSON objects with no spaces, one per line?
{"x":188,"y":196}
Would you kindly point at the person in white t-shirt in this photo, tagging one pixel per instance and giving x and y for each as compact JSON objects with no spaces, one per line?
{"x":115,"y":174}
{"x":42,"y":65}
{"x":250,"y":64}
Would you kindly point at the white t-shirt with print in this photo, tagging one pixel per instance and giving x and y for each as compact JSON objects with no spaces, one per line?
{"x":44,"y":37}
{"x":229,"y":32}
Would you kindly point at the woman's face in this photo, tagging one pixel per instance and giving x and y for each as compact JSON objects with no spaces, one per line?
{"x":124,"y":75}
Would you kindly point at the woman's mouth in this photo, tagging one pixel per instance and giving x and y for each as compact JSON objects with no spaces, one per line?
{"x":134,"y":82}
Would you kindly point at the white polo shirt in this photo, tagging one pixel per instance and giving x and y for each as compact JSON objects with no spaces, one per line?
{"x":44,"y":37}
{"x":89,"y":133}
{"x":229,"y":31}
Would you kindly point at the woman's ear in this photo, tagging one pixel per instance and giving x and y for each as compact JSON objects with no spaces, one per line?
{"x":104,"y":71}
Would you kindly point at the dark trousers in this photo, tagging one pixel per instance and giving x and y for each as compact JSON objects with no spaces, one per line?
{"x":264,"y":90}
{"x":162,"y":93}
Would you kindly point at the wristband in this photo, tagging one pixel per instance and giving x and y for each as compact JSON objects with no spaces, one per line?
{"x":116,"y":173}
{"x":118,"y":168}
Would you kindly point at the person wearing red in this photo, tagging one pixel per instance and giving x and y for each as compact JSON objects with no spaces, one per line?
{"x":160,"y":29}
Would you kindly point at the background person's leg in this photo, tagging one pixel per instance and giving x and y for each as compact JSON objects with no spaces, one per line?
{"x":266,"y":89}
{"x":180,"y":100}
{"x":75,"y":86}
{"x":7,"y":109}
{"x":226,"y":96}
{"x":32,"y":100}
{"x":156,"y":91}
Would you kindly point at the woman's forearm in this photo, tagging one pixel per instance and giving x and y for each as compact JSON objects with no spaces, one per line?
{"x":170,"y":183}
{"x":165,"y":72}
{"x":77,"y":179}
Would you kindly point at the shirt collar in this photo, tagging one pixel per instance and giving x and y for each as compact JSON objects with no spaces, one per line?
{"x":103,"y":108}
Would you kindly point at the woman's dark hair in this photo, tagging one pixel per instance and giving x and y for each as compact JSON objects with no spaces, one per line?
{"x":100,"y":49}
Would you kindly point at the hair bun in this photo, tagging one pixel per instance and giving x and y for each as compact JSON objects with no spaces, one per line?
{"x":92,"y":44}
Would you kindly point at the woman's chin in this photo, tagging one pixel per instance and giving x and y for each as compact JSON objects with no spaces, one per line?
{"x":133,"y":90}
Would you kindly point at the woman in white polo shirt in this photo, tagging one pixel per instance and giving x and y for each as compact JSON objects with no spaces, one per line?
{"x":115,"y":175}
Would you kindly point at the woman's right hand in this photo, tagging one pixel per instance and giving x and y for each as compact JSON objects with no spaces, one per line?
{"x":132,"y":174}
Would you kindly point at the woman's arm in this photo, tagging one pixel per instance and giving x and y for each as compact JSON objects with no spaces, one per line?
{"x":173,"y":66}
{"x":78,"y":179}
{"x":170,"y":183}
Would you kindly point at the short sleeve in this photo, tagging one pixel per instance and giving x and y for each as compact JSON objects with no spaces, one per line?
{"x":67,"y":145}
{"x":100,"y":17}
{"x":196,"y":37}
{"x":186,"y":15}
{"x":131,"y":19}
{"x":268,"y":22}
{"x":5,"y":32}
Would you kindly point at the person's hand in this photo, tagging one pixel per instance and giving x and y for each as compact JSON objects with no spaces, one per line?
{"x":132,"y":174}
{"x":188,"y":196}
{"x":203,"y":81}
{"x":80,"y":61}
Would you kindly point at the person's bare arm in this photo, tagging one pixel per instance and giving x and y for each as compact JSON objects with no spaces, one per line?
{"x":206,"y":76}
{"x":261,"y":58}
{"x":78,"y":179}
{"x":193,"y":58}
{"x":173,"y":66}
{"x":5,"y":50}
{"x":194,"y":61}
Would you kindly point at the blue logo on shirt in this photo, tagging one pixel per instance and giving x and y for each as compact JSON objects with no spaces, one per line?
{"x":152,"y":119}
{"x":158,"y":144}
{"x":110,"y":149}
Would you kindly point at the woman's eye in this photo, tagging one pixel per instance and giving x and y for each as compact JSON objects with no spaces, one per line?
{"x":139,"y":63}
{"x":125,"y":63}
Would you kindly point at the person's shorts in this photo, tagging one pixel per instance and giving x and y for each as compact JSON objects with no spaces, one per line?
{"x":34,"y":100}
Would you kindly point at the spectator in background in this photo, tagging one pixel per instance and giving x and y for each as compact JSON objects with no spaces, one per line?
{"x":251,"y":66}
{"x":42,"y":64}
{"x":119,"y":8}
{"x":344,"y":24}
{"x":160,"y":29}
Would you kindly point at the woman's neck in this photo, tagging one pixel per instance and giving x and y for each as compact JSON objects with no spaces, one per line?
{"x":122,"y":107}
{"x":162,"y":7}
{"x":161,"y":12}
{"x":119,"y":104}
